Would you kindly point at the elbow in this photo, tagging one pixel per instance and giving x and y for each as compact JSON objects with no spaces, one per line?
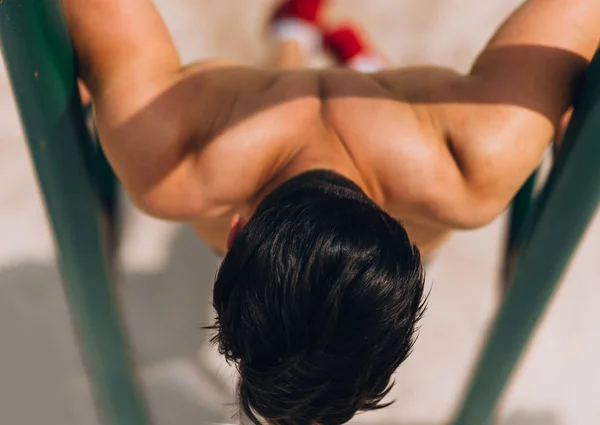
{"x":170,"y":205}
{"x":469,"y":211}
{"x":154,"y":205}
{"x":481,"y":214}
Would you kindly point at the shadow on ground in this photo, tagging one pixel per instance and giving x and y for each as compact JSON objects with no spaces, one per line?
{"x":42,"y":379}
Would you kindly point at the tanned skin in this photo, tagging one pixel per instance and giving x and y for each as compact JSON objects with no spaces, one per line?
{"x":436,"y":149}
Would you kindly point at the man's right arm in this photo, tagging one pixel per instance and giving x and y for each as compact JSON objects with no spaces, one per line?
{"x":128,"y":61}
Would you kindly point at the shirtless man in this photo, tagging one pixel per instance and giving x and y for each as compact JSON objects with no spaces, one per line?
{"x":302,"y":177}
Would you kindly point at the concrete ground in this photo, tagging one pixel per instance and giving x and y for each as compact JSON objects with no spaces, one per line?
{"x":168,"y":273}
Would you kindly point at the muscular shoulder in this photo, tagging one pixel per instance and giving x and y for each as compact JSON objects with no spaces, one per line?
{"x":455,"y":164}
{"x":245,"y":126}
{"x":241,"y":127}
{"x":398,"y":144}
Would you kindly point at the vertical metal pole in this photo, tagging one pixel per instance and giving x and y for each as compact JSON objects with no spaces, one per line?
{"x":519,"y":211}
{"x":551,"y":235}
{"x":520,"y":208}
{"x":38,"y":54}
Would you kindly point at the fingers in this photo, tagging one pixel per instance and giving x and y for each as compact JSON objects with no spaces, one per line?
{"x":84,"y":93}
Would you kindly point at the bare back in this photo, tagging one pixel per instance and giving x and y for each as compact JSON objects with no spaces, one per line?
{"x":436,"y":149}
{"x":337,"y":120}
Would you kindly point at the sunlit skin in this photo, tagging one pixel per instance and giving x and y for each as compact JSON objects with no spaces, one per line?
{"x":436,"y":149}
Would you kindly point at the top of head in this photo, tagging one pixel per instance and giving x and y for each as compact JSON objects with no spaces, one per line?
{"x":317,"y":302}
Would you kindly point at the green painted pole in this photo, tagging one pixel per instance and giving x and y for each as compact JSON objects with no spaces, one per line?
{"x":519,"y":211}
{"x":38,"y":54}
{"x":551,"y":234}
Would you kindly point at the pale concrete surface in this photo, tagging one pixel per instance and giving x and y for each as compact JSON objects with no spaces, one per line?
{"x":167,"y":285}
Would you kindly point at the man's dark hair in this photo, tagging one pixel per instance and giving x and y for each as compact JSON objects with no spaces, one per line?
{"x":317,"y":302}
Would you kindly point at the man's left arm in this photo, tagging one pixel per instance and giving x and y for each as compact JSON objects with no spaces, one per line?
{"x":154,"y":116}
{"x":497,"y":120}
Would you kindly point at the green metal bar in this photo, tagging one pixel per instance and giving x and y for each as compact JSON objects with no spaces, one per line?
{"x":105,"y":182}
{"x":551,"y":234}
{"x":519,"y":211}
{"x":38,"y":54}
{"x":102,"y":172}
